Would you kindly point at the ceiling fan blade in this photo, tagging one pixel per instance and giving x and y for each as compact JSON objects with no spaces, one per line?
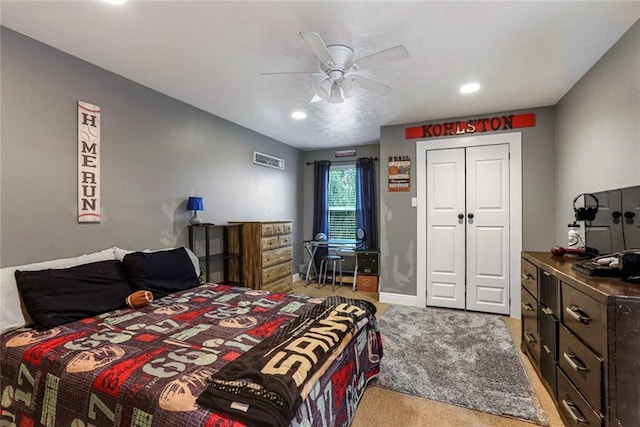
{"x":318,"y":46}
{"x":382,"y":57}
{"x":371,"y":85}
{"x":289,"y":72}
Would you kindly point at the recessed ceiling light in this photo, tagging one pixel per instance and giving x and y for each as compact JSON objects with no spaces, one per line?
{"x":298,"y":115}
{"x":470,"y":88}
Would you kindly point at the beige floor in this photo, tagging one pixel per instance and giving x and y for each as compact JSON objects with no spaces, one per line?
{"x":381,"y":407}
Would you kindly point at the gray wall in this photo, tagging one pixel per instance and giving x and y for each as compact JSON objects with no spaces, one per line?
{"x":598,"y":132}
{"x":398,"y":227}
{"x":156,"y":152}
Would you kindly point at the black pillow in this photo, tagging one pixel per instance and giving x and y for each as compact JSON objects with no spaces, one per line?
{"x":161,"y":272}
{"x":56,"y":296}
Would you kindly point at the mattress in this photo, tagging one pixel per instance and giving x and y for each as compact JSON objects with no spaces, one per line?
{"x":146,"y":367}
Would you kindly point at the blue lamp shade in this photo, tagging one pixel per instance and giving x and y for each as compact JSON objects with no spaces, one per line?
{"x":195,"y":204}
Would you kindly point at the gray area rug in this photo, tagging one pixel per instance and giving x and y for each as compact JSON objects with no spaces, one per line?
{"x":463,"y":358}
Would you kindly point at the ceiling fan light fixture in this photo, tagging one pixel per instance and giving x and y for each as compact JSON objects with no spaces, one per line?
{"x":322,"y":89}
{"x":349,"y":87}
{"x":335,"y":97}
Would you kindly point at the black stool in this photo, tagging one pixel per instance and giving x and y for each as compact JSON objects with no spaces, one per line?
{"x":337,"y":262}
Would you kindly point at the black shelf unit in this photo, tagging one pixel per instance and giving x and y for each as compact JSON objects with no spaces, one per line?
{"x":228,"y":259}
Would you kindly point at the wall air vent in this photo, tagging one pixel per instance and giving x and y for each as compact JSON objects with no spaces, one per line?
{"x":267,"y":160}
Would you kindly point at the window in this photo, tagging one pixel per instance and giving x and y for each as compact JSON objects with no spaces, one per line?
{"x":342,"y":202}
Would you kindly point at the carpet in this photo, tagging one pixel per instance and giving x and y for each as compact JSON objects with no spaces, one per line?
{"x":457,"y":357}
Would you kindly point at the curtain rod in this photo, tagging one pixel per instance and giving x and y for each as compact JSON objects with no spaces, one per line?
{"x":343,"y":161}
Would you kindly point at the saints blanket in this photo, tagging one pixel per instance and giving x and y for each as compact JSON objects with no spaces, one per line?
{"x":266,"y":385}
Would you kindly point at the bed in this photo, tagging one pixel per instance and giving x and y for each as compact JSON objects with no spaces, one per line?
{"x":147,"y":366}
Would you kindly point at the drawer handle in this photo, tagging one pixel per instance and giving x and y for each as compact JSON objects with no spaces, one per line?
{"x":546,"y":273}
{"x":575,"y":363}
{"x":547,"y":311}
{"x":574,"y":412}
{"x":546,"y":349}
{"x":527,"y":276}
{"x":578,"y":314}
{"x":526,"y":307}
{"x":530,"y":338}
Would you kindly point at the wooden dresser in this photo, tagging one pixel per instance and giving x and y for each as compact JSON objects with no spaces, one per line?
{"x":267,"y":255}
{"x":582,"y":334}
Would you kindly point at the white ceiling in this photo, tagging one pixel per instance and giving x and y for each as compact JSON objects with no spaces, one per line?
{"x":210,"y":54}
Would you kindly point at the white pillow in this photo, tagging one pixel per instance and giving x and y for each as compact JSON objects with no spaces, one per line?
{"x":120,"y":253}
{"x":12,"y":314}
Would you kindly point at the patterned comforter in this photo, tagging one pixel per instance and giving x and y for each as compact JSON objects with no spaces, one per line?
{"x":146,"y":367}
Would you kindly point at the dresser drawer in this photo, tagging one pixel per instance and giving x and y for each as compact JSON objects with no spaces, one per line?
{"x":582,"y":367}
{"x":287,"y":228}
{"x":267,"y":229}
{"x":530,"y":336}
{"x":529,"y":277}
{"x":549,"y":291}
{"x":271,"y":274}
{"x":574,"y":410}
{"x":283,"y":285}
{"x":548,"y":370}
{"x":267,"y":243}
{"x":585,"y":317}
{"x":548,"y":330}
{"x":276,"y":256}
{"x":284,"y":240}
{"x":278,"y":228}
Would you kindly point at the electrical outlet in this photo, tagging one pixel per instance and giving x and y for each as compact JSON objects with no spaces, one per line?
{"x":414,"y":202}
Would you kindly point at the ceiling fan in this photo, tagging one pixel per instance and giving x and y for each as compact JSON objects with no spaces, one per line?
{"x":338,"y":69}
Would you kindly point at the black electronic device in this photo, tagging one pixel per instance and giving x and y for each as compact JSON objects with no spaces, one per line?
{"x":631,"y":266}
{"x":586,"y":212}
{"x":593,"y":269}
{"x":367,"y":262}
{"x":615,"y":227}
{"x":625,"y":265}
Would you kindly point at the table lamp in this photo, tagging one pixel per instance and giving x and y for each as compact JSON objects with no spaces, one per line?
{"x":195,"y":204}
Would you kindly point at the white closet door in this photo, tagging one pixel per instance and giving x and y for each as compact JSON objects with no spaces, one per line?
{"x":445,"y":230}
{"x":487,"y":197}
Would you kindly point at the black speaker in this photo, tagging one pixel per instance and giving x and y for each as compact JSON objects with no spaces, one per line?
{"x":367,"y":262}
{"x":587,"y":213}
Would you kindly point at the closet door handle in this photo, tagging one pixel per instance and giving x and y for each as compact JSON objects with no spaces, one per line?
{"x":460,"y":216}
{"x":470,"y":215}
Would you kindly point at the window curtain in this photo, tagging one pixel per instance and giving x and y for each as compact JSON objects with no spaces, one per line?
{"x":320,"y":204}
{"x":366,"y":202}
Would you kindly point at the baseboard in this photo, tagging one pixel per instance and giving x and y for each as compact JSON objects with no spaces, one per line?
{"x":399,"y":299}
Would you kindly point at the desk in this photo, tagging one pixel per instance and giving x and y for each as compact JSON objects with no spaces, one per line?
{"x":345,"y":247}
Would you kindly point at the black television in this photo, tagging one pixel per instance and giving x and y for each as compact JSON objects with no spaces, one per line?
{"x":616,"y":226}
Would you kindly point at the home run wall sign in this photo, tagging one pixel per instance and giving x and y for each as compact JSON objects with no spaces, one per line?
{"x":88,"y":162}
